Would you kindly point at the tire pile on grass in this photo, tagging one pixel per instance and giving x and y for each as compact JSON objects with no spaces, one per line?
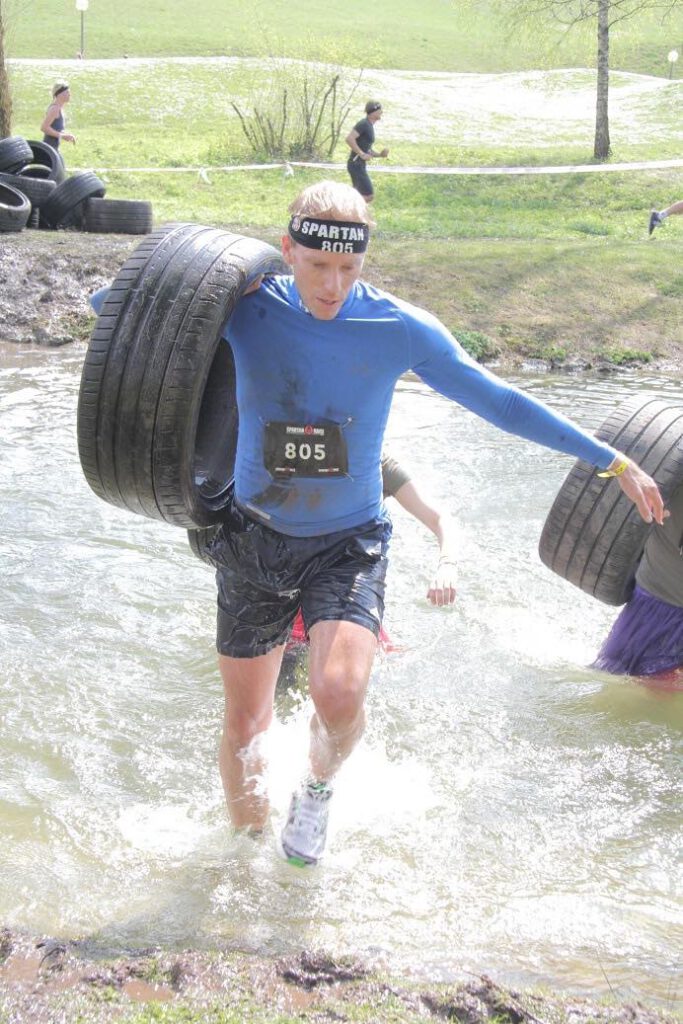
{"x":35,"y":192}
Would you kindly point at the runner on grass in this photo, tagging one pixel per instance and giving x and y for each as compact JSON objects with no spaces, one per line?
{"x":360,"y":141}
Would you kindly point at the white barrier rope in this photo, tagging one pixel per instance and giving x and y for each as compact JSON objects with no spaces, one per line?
{"x":288,"y":169}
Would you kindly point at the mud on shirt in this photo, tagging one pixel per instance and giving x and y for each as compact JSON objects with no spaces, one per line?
{"x":303,"y":382}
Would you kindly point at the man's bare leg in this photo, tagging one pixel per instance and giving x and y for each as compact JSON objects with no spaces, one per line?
{"x":249,"y":685}
{"x":339,"y":666}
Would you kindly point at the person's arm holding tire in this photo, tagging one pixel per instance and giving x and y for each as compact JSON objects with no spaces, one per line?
{"x":453,"y":373}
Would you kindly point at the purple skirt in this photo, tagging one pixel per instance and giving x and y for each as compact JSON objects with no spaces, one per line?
{"x":646,"y":638}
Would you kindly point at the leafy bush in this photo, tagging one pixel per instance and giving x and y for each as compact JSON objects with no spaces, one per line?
{"x":626,"y":356}
{"x":300,"y":112}
{"x":480,"y":346}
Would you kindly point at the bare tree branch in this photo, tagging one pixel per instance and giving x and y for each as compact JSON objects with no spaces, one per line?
{"x":301,"y":112}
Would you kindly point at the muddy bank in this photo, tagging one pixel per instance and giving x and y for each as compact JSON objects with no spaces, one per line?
{"x":47,"y":980}
{"x":46,"y":279}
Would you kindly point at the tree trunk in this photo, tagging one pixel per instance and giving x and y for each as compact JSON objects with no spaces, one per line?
{"x":601,"y":148}
{"x":5,"y":96}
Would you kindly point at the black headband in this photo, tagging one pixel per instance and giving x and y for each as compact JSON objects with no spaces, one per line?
{"x":62,"y":88}
{"x":372,"y":107}
{"x":329,"y":235}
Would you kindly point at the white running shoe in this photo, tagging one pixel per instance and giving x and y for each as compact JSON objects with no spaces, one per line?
{"x":304,"y":835}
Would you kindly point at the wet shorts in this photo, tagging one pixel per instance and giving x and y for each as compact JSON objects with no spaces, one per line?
{"x":264,"y":577}
{"x":360,"y":179}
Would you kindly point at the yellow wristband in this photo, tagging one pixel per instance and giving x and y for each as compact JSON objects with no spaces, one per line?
{"x":623,"y":465}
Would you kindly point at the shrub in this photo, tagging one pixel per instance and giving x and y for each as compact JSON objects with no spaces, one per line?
{"x":480,"y":346}
{"x":300,"y":112}
{"x":626,"y":356}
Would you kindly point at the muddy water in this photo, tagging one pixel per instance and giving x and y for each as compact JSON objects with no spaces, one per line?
{"x":509,"y":810}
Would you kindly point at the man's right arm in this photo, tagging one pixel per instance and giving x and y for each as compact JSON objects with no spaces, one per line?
{"x":351,"y":142}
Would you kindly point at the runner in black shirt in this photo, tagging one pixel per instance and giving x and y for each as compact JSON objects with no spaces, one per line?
{"x":360,"y":140}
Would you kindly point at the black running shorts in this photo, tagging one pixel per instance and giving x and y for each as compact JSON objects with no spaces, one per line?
{"x":360,"y":179}
{"x":264,"y":577}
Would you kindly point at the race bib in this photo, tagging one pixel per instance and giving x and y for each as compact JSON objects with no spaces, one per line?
{"x":291,"y":449}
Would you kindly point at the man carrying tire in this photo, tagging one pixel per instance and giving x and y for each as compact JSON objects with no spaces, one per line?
{"x":317,"y":356}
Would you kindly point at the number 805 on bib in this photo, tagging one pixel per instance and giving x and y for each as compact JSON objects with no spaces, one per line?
{"x":305,"y":450}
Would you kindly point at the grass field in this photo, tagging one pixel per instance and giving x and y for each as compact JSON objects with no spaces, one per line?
{"x":414,"y":34}
{"x":133,"y":113}
{"x":525,"y":208}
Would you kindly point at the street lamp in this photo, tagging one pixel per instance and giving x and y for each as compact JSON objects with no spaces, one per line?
{"x":672,"y":57}
{"x":82,"y":6}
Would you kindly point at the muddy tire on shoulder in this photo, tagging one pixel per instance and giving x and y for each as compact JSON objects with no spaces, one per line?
{"x":124,"y":216}
{"x":593,"y":536}
{"x":64,"y":207}
{"x":49,"y":157}
{"x":15,"y":209}
{"x":15,"y":153}
{"x":157,"y":416}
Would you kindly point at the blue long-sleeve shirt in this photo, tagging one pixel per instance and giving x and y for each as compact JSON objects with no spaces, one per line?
{"x":298,"y":373}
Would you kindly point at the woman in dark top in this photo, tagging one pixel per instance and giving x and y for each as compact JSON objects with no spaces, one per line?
{"x":54,"y":121}
{"x":360,"y":140}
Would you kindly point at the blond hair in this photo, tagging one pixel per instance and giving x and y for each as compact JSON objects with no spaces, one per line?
{"x":59,"y":86}
{"x":333,"y":201}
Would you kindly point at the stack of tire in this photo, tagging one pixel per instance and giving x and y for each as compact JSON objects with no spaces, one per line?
{"x":157,"y":415}
{"x":35,"y":191}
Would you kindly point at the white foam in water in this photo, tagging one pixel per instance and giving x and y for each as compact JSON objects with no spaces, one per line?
{"x":167,"y":829}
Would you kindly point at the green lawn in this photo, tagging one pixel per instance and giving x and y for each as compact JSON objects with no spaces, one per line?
{"x":164,"y":114}
{"x":528,"y":207}
{"x":417,"y":34}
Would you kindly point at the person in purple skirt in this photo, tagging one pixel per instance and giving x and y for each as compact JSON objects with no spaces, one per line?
{"x":647,"y":637}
